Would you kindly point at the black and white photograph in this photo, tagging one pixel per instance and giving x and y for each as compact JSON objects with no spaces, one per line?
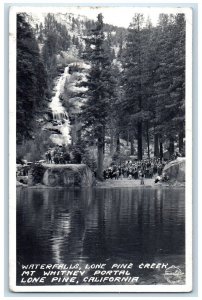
{"x":100,"y":149}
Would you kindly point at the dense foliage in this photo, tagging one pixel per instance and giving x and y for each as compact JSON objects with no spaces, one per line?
{"x":135,"y":84}
{"x":31,"y":80}
{"x":95,"y":111}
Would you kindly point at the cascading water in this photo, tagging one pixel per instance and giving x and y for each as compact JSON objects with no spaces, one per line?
{"x":60,"y":116}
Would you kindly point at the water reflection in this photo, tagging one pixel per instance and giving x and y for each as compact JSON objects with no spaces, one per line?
{"x":101,"y":225}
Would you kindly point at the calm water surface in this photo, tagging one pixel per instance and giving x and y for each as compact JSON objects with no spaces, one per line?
{"x":88,"y":226}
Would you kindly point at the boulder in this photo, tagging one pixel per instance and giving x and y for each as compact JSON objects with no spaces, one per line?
{"x":20,"y":184}
{"x":70,"y":175}
{"x":176,"y":170}
{"x":22,"y":179}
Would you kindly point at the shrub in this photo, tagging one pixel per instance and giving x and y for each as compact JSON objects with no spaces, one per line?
{"x":37,"y":171}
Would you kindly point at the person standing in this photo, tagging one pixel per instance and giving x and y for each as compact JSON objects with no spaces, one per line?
{"x":141,"y":177}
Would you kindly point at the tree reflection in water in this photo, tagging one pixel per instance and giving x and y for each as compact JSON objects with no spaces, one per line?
{"x":101,"y":225}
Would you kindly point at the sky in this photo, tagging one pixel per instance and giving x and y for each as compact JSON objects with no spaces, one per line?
{"x":118,"y":16}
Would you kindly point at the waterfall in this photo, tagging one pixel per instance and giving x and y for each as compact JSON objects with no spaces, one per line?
{"x":60,"y":116}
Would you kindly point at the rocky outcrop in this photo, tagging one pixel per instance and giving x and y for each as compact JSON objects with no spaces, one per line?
{"x":176,"y":170}
{"x":69,"y":175}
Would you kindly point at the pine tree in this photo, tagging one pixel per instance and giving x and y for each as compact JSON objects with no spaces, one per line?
{"x":148,"y":68}
{"x":31,"y":80}
{"x":177,"y":87}
{"x":96,"y":109}
{"x":169,"y":85}
{"x":133,"y":103}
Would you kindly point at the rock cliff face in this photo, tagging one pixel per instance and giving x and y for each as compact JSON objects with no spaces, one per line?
{"x":71,"y":175}
{"x":176,"y":170}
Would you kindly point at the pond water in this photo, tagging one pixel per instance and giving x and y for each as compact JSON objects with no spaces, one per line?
{"x":110,"y":226}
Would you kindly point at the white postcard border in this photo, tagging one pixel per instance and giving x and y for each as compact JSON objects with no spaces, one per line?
{"x":12,"y":165}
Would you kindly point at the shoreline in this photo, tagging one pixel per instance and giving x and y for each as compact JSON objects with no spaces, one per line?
{"x":148,"y":183}
{"x":111,"y":183}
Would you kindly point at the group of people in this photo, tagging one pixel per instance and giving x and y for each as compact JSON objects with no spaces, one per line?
{"x":146,"y":168}
{"x":132,"y":170}
{"x":58,"y":155}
